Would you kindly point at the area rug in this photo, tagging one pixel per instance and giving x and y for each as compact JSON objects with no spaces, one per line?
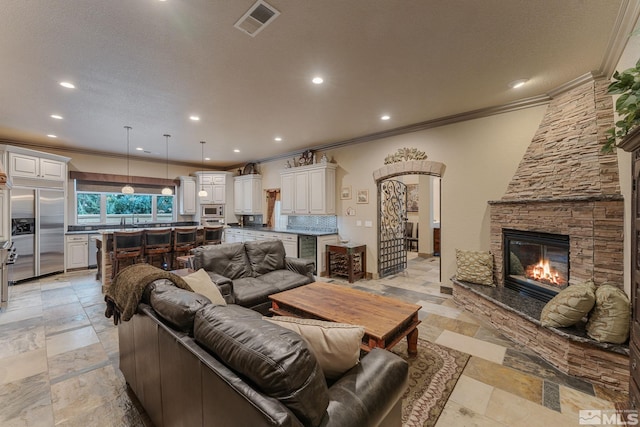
{"x":433,"y":374}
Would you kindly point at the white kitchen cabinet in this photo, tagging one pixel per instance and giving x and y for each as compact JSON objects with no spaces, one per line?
{"x":290,"y":242}
{"x":77,"y":251}
{"x":247,"y":195}
{"x":308,"y":190}
{"x":214,"y":183}
{"x":187,"y":195}
{"x":4,"y":215}
{"x":232,"y":235}
{"x":25,"y":166}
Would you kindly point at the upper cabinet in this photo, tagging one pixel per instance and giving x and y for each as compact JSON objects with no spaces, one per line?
{"x":187,"y":195}
{"x":26,"y":166}
{"x":308,"y":190}
{"x":247,"y":193}
{"x":214,"y":184}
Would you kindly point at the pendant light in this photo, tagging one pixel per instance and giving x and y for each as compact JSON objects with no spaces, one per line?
{"x":167,"y":191}
{"x":202,"y":192}
{"x":128,"y":189}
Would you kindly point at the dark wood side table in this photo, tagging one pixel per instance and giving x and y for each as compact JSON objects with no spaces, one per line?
{"x":348,"y":260}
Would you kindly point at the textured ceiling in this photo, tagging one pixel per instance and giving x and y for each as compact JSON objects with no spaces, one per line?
{"x":151,"y":64}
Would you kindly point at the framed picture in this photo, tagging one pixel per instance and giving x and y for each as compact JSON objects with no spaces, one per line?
{"x":345,"y":193}
{"x":412,"y":197}
{"x":362,"y":196}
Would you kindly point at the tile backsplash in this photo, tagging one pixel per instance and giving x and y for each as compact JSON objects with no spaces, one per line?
{"x":313,"y":222}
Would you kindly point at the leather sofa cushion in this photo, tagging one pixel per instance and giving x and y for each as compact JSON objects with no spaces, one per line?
{"x":250,"y":291}
{"x":283,"y":280}
{"x":228,"y":260}
{"x":276,"y":360}
{"x":265,"y":256}
{"x":177,"y":306}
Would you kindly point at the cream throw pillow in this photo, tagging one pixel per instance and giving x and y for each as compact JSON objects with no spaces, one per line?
{"x":201,"y":283}
{"x":609,"y":320}
{"x":569,"y":306}
{"x":474,"y":267}
{"x":335,"y":345}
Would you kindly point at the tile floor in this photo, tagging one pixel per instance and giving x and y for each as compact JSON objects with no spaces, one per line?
{"x":59,"y":360}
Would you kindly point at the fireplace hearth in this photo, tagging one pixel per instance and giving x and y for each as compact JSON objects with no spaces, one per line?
{"x":536,"y":264}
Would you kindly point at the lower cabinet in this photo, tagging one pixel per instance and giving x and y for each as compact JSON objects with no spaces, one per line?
{"x":77,"y":251}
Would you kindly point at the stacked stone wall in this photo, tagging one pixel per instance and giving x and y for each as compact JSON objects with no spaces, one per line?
{"x":595,"y":229}
{"x":583,"y":360}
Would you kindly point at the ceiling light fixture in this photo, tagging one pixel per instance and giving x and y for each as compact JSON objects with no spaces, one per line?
{"x":236,"y":150}
{"x":56,"y":116}
{"x":385,"y":117}
{"x":194,"y":118}
{"x":202,"y":192}
{"x":518,"y":83}
{"x":52,"y":135}
{"x":277,"y":138}
{"x":68,"y":85}
{"x":167,"y":191}
{"x":139,"y":149}
{"x":127,"y":189}
{"x":317,"y":80}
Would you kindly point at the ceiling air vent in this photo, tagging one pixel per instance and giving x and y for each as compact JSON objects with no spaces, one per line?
{"x":257,"y":17}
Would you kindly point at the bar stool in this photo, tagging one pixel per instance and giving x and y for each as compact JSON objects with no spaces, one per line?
{"x":127,"y":246}
{"x":212,"y":235}
{"x":184,"y":239}
{"x":158,"y":242}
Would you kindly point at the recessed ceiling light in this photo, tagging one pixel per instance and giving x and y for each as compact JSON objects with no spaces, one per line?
{"x":139,"y":148}
{"x":385,"y":117}
{"x":317,"y":80}
{"x":56,"y":116}
{"x":52,"y":135}
{"x":207,"y":158}
{"x":277,"y":138}
{"x":194,"y":118}
{"x":68,"y":85}
{"x":236,"y":151}
{"x":518,"y":83}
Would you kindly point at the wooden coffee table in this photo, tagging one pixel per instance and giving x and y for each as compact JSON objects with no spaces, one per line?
{"x":385,"y":320}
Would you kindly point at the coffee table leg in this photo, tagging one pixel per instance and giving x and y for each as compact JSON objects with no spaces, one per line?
{"x":412,"y":342}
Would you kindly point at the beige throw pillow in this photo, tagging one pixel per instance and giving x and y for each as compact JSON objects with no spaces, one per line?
{"x":474,"y":267}
{"x":569,"y":306}
{"x":201,"y":283}
{"x":335,"y":345}
{"x":609,"y":320}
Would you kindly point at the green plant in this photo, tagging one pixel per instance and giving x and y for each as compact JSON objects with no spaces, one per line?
{"x":627,"y":85}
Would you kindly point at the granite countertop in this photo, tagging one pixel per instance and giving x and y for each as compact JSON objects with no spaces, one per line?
{"x":286,"y":230}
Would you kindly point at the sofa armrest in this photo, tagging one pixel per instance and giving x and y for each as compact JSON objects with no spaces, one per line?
{"x":225,"y":285}
{"x":368,"y":392}
{"x":300,"y":265}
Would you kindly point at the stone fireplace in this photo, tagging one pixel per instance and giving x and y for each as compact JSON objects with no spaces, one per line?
{"x":565,"y":186}
{"x":563,"y":207}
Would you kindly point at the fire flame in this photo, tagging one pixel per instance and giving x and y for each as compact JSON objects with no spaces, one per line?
{"x":543,"y":272}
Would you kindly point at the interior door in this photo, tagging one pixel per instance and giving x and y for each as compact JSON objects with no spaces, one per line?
{"x":392,"y":208}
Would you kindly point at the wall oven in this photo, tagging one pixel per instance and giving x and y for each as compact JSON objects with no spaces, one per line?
{"x":212,"y":215}
{"x":212,"y":211}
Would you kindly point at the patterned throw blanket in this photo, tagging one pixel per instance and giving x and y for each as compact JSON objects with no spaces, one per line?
{"x":125,"y":292}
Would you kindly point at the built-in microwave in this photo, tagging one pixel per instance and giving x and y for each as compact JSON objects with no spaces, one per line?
{"x":212,"y":211}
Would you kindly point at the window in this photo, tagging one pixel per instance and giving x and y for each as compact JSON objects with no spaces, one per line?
{"x":111,"y":208}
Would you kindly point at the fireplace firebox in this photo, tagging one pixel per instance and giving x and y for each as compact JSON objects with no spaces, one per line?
{"x":535,"y":264}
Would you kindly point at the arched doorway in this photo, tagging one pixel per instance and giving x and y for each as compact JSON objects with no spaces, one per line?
{"x":392,"y":209}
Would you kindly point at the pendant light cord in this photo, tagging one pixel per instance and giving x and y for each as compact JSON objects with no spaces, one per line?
{"x":128,"y":128}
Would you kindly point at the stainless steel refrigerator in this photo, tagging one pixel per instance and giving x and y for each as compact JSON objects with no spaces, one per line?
{"x":37,"y":232}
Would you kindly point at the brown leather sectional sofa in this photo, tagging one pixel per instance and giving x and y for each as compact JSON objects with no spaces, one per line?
{"x":192,"y":363}
{"x":247,"y":273}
